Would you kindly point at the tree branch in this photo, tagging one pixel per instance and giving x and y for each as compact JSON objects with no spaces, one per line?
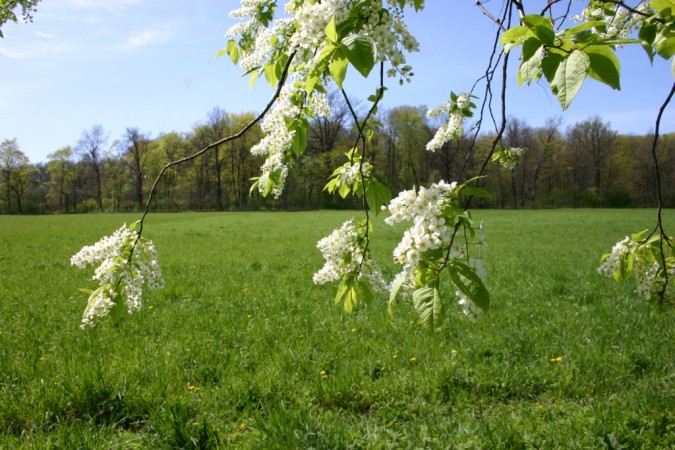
{"x":258,"y":118}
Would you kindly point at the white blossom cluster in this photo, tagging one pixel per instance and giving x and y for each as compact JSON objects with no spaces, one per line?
{"x":453,"y":127}
{"x":351,"y":173}
{"x":648,"y":273}
{"x":119,"y":276}
{"x":277,"y":143}
{"x":424,"y":208}
{"x":312,"y":19}
{"x":304,"y":33}
{"x":344,"y":255}
{"x":620,"y":24}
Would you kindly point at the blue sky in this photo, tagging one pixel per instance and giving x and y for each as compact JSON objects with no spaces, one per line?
{"x":151,"y":64}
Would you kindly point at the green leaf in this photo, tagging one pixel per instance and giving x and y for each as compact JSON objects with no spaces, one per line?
{"x":254,"y":77}
{"x":346,"y":293}
{"x":604,"y":65}
{"x":531,"y":47}
{"x":582,"y":27}
{"x":418,"y":4}
{"x":472,"y":191}
{"x":550,"y":63}
{"x":360,"y":53}
{"x":301,"y":128}
{"x":338,"y":67}
{"x":427,"y":302}
{"x":117,"y":311}
{"x":666,"y":47}
{"x":331,"y":30}
{"x":625,"y":268}
{"x":513,"y":37}
{"x":529,"y":70}
{"x":395,"y":288}
{"x":470,"y":284}
{"x":569,"y":77}
{"x":312,"y":82}
{"x":541,"y":27}
{"x":232,"y":50}
{"x":377,"y":194}
{"x":660,"y":5}
{"x":273,"y":72}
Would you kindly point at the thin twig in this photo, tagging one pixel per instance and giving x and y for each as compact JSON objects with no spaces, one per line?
{"x":659,"y":199}
{"x":246,"y":128}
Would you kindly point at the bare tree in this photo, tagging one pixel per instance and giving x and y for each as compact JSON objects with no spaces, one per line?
{"x":91,"y":147}
{"x":593,"y":140}
{"x":138,"y":145}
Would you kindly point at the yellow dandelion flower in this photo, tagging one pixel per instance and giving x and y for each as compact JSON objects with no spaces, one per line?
{"x":42,"y":359}
{"x":556,"y":359}
{"x":242,"y":426}
{"x":353,"y":330}
{"x":150,"y":308}
{"x":324,"y":374}
{"x":192,"y":388}
{"x":413,"y":360}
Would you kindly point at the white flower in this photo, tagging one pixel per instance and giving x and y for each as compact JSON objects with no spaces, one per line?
{"x":120,"y":273}
{"x":344,"y":255}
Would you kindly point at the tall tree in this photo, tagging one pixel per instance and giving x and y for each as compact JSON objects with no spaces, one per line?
{"x":91,"y":148}
{"x":62,"y":176}
{"x":13,"y":163}
{"x":593,"y":141}
{"x":137,"y":148}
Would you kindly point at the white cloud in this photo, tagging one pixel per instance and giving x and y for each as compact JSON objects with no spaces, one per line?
{"x":150,"y":36}
{"x":108,"y":5}
{"x":13,"y":53}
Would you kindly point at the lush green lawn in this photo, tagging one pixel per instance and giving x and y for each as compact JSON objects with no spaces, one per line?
{"x":241,"y":350}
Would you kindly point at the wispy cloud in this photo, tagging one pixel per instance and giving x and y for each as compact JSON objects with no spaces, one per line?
{"x":108,"y":5}
{"x":46,"y":46}
{"x":150,"y":36}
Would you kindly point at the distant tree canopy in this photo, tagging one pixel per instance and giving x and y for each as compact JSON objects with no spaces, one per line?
{"x":587,"y":164}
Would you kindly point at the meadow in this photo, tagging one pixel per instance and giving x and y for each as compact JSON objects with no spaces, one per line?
{"x":241,"y":350}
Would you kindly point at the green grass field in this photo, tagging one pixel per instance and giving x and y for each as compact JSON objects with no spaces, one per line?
{"x":241,"y":350}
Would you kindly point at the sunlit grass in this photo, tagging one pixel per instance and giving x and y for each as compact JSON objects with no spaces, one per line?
{"x":241,"y":350}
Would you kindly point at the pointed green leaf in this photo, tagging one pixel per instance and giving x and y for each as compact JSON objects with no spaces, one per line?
{"x":331,"y":30}
{"x":529,"y":70}
{"x":338,"y":67}
{"x":427,"y":302}
{"x":472,"y":191}
{"x":666,"y":47}
{"x":660,"y":5}
{"x":360,"y":53}
{"x":541,"y":27}
{"x":550,"y":63}
{"x":604,"y":65}
{"x":395,"y":287}
{"x":470,"y":284}
{"x":569,"y":77}
{"x":625,"y":268}
{"x":377,"y":194}
{"x":513,"y":37}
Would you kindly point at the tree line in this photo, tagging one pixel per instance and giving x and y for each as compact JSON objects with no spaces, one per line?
{"x":584,"y":165}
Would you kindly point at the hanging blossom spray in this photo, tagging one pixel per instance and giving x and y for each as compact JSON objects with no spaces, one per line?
{"x":125,"y":262}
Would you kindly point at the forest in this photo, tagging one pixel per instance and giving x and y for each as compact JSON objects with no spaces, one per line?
{"x":587,"y":164}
